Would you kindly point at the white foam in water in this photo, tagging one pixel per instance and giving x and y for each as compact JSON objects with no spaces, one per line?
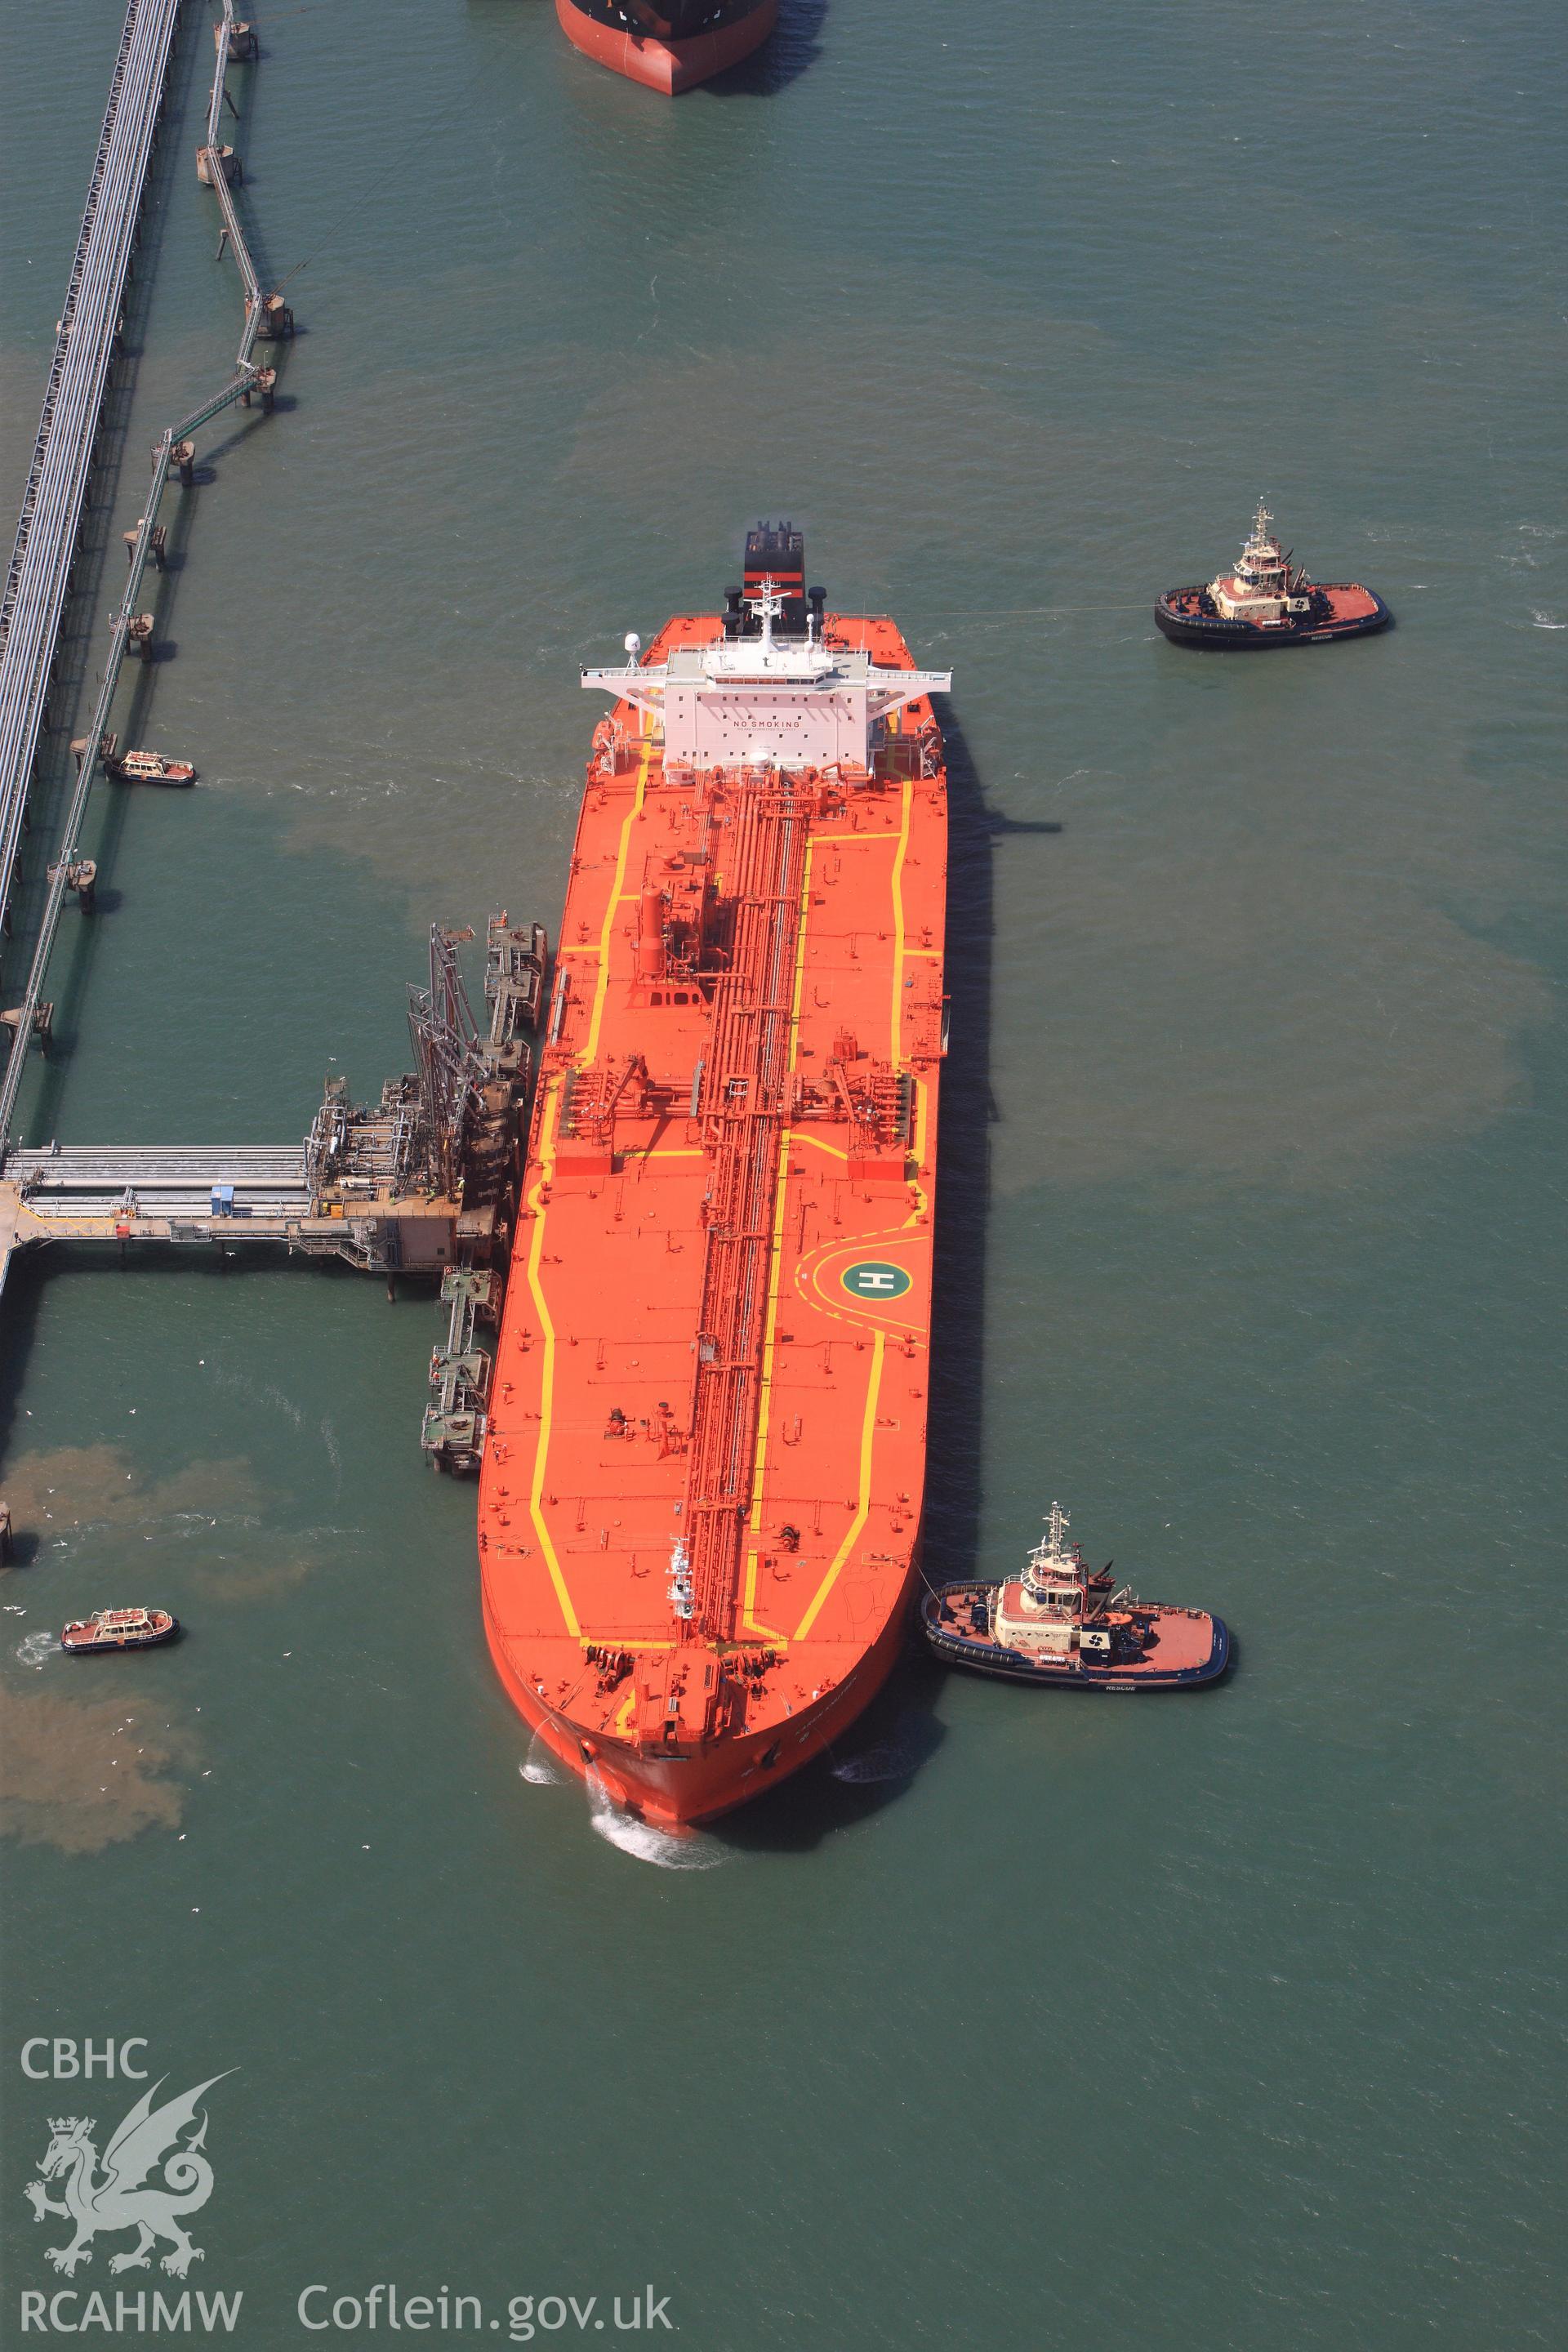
{"x":690,"y":1850}
{"x":1548,"y":620}
{"x":540,"y":1766}
{"x":38,"y":1648}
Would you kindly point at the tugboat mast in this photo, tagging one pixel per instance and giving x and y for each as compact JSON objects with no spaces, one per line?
{"x":1052,"y":1560}
{"x":1261,"y":564}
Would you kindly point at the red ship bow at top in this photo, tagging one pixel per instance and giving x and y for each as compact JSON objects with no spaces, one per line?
{"x":667,"y":44}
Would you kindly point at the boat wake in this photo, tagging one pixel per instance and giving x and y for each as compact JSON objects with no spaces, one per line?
{"x":38,"y":1648}
{"x":540,"y":1768}
{"x":693,"y":1850}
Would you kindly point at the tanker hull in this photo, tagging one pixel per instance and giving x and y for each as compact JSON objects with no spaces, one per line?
{"x":702,"y":1485}
{"x":1187,"y":617}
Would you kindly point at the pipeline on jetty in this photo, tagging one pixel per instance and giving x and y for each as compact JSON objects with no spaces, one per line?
{"x":85,"y":339}
{"x":423,"y":1182}
{"x":57,"y":488}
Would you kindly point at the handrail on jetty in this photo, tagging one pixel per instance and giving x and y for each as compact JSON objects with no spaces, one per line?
{"x":214,"y":163}
{"x":85,"y":340}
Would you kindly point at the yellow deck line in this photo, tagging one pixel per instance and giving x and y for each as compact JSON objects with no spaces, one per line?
{"x":602,"y":986}
{"x":818,"y":1144}
{"x":867,"y":1435}
{"x":618,"y":898}
{"x":547,"y":1371}
{"x":750,"y":1623}
{"x":536,"y":1241}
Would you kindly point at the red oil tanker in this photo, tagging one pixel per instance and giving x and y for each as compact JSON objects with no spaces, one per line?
{"x":667,"y":44}
{"x":700,"y":1507}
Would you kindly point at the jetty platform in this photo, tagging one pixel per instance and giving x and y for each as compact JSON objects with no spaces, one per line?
{"x":421,"y":1183}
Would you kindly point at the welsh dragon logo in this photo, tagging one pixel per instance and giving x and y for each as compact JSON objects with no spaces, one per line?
{"x":125,"y":2195}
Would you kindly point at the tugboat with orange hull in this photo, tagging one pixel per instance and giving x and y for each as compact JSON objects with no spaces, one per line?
{"x":119,"y":1629}
{"x":699,"y":1512}
{"x":1268,"y":600}
{"x":667,"y":44}
{"x":1057,"y":1624}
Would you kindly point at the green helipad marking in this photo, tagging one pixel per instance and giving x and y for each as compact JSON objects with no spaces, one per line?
{"x":875,"y":1278}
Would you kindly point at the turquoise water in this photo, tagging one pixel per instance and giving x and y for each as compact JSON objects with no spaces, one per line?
{"x":1222,"y":2022}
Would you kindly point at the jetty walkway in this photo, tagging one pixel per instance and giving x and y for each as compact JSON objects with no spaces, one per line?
{"x":423,"y":1182}
{"x":56,"y":486}
{"x":57,"y":489}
